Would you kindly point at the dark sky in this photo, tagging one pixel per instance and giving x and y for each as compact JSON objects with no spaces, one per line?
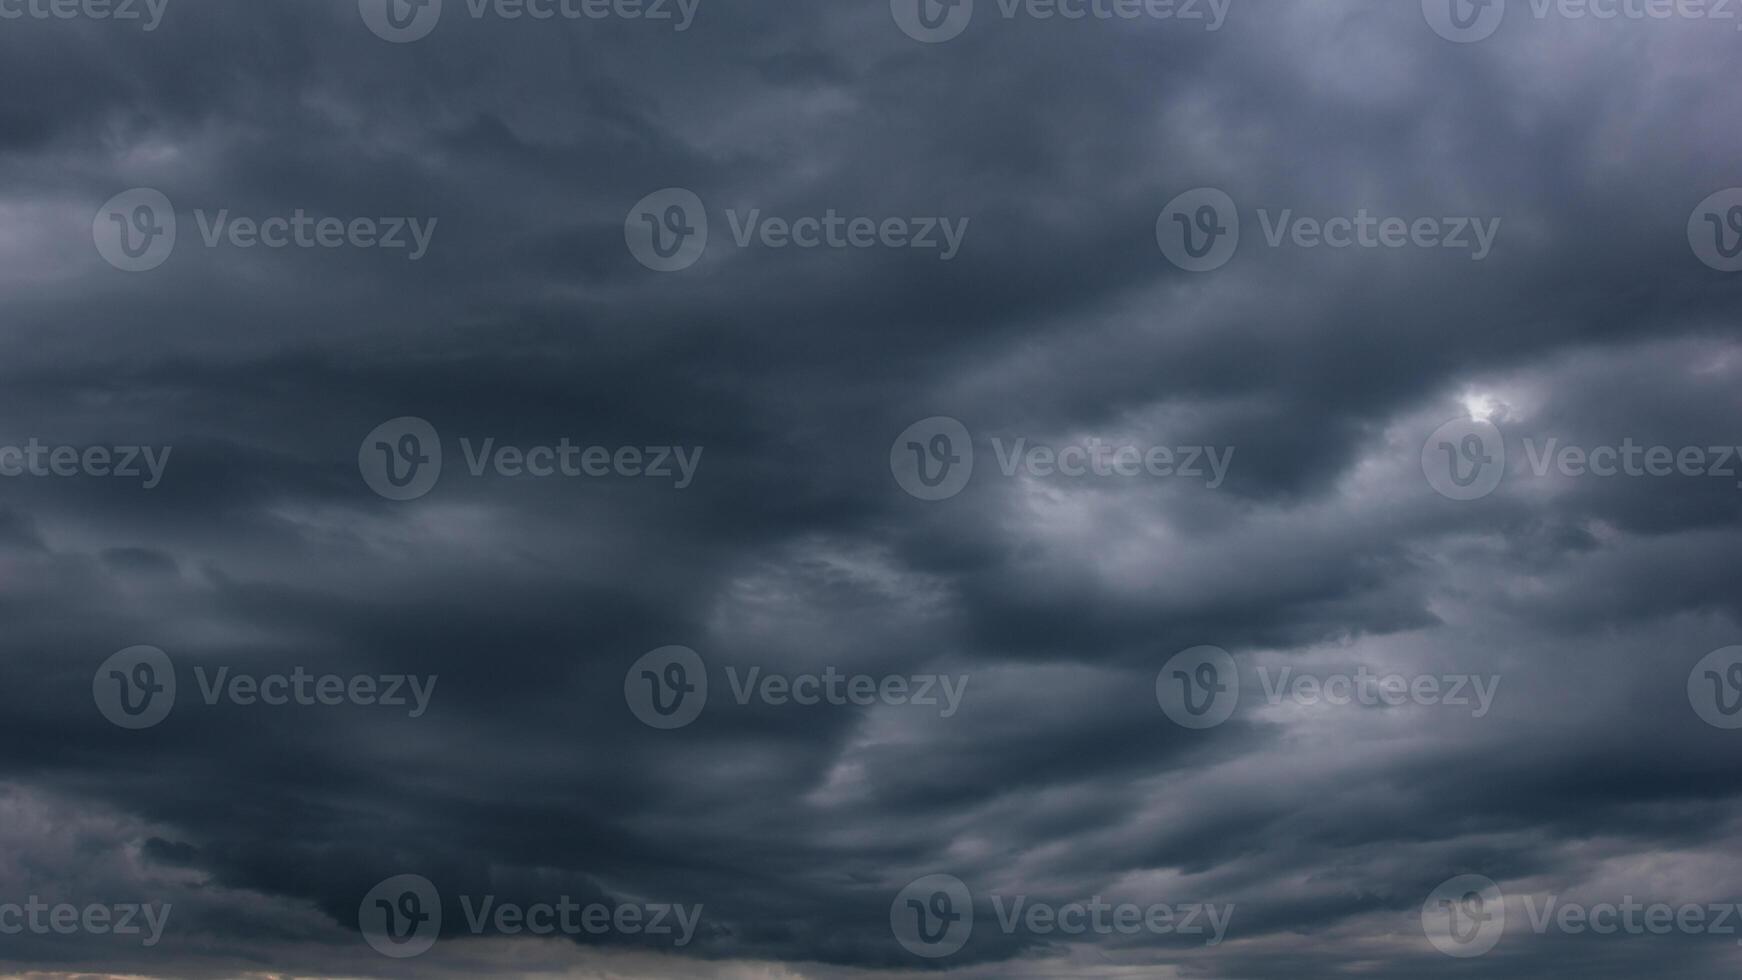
{"x":1060,"y":153}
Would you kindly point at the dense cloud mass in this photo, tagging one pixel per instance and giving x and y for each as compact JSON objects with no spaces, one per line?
{"x":764,"y":489}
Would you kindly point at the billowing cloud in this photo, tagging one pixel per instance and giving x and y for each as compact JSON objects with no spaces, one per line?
{"x":904,"y":679}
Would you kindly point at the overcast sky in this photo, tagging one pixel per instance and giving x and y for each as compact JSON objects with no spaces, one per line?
{"x":963,"y":370}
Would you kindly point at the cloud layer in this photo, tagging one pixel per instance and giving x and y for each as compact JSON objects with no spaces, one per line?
{"x":523,"y":146}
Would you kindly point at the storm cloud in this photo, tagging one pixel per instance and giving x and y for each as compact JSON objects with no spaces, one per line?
{"x":962,"y":420}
